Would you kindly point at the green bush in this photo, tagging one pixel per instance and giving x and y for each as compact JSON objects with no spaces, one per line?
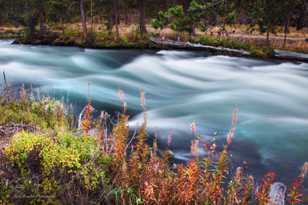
{"x":45,"y":164}
{"x":90,"y":39}
{"x":262,"y":52}
{"x":65,"y":151}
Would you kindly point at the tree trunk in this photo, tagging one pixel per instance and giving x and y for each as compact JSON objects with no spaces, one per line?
{"x":31,"y":24}
{"x":62,"y":26}
{"x":116,"y":17}
{"x":41,"y":15}
{"x":83,"y":20}
{"x":126,"y":17}
{"x":268,"y":38}
{"x":142,"y":27}
{"x":110,"y":23}
{"x":185,"y":4}
{"x":42,"y":23}
{"x":92,"y":20}
{"x":286,"y":30}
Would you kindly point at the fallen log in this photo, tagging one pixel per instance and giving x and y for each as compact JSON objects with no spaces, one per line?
{"x":277,"y":55}
{"x":197,"y":46}
{"x":291,"y":56}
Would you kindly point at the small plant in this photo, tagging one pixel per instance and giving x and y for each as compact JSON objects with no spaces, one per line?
{"x":262,"y":193}
{"x":87,"y":118}
{"x":295,"y":195}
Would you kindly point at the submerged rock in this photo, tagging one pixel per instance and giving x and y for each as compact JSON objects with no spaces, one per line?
{"x":277,"y":194}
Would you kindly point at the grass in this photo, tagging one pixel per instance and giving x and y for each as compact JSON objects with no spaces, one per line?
{"x":301,"y":47}
{"x":46,"y":113}
{"x":58,"y":166}
{"x":256,"y":51}
{"x":99,"y":37}
{"x":71,"y":36}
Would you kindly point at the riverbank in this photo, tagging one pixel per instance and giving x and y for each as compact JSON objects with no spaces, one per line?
{"x":212,"y":45}
{"x":217,"y":45}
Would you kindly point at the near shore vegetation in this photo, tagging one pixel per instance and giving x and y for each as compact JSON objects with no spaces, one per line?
{"x":56,"y":163}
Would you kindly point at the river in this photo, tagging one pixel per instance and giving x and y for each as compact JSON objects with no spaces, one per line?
{"x":182,"y":87}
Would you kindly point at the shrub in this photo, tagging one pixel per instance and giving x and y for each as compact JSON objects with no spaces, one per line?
{"x":57,"y":166}
{"x":45,"y":113}
{"x":90,"y":39}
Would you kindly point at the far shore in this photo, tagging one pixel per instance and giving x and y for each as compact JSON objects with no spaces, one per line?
{"x":127,"y":42}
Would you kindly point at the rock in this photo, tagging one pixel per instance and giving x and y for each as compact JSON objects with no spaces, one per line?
{"x":277,"y":194}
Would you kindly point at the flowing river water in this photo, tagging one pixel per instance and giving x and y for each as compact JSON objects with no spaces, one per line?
{"x":182,"y":87}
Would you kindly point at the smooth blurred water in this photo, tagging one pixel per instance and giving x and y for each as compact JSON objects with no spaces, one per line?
{"x":182,"y":87}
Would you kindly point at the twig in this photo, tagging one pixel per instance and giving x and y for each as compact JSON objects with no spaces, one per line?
{"x":5,"y":81}
{"x":131,"y":140}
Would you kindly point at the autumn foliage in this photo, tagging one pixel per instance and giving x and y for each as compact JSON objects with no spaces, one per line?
{"x":134,"y":170}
